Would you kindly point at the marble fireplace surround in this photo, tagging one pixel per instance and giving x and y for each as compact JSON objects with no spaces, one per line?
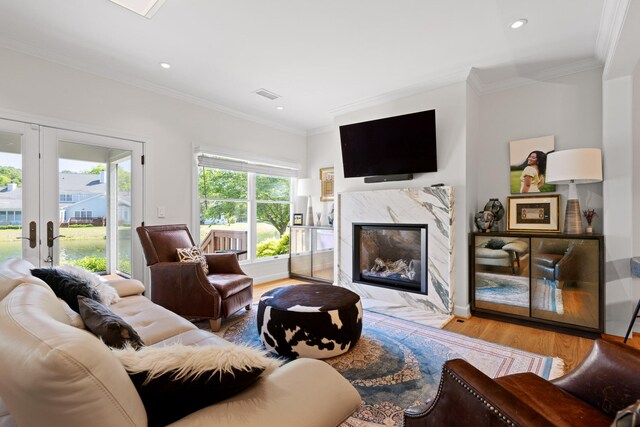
{"x":425,"y":205}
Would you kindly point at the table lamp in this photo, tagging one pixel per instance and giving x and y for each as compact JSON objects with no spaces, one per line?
{"x":577,"y":166}
{"x":308,"y":187}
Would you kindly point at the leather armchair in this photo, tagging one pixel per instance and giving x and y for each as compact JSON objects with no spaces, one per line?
{"x":606,"y":382}
{"x":182,"y":287}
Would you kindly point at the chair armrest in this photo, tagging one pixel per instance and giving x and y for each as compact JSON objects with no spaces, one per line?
{"x":183,"y":288}
{"x":466,"y":396}
{"x":223,"y":263}
{"x":607,"y":379}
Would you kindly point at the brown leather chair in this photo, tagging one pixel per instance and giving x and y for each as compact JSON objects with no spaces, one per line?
{"x":564,"y":261}
{"x":607,"y":381}
{"x":182,"y":287}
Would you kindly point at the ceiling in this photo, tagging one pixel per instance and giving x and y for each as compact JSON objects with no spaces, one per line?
{"x":322,"y":57}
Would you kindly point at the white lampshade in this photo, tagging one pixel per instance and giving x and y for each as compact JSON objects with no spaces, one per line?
{"x":580,"y":166}
{"x":308,"y":187}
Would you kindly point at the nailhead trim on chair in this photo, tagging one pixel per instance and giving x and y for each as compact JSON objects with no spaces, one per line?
{"x":470,"y":390}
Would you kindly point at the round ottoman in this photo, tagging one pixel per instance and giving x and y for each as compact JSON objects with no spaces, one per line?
{"x":316,"y":321}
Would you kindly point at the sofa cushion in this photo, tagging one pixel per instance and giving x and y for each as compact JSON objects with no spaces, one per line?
{"x":127,"y":287}
{"x":193,"y":254}
{"x":75,"y":319}
{"x":174,"y":381}
{"x":107,"y":325}
{"x":66,"y":286}
{"x":152,"y":322}
{"x":14,"y":272}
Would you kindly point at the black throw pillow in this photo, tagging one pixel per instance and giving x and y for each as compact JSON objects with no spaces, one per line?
{"x":495,"y":244}
{"x":105,"y":324}
{"x":66,"y":286}
{"x":176,"y":380}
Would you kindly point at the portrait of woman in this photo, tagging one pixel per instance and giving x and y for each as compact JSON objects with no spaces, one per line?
{"x":528,"y":158}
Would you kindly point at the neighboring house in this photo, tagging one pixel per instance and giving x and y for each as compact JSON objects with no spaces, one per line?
{"x":82,"y":198}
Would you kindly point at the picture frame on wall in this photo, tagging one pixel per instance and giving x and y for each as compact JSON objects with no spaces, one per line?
{"x":528,"y":164}
{"x":534,"y":213}
{"x":297,"y":219}
{"x":326,"y":184}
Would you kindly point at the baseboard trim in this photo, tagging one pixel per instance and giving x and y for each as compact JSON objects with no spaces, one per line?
{"x":462,"y":311}
{"x":270,"y":277}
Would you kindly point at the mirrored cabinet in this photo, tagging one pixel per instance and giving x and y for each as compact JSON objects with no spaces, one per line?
{"x":311,"y":253}
{"x":554,"y":281}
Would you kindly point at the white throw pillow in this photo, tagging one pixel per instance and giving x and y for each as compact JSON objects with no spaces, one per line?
{"x":108,"y":295}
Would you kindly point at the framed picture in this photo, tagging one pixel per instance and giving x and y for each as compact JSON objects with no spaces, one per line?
{"x":326,"y":182}
{"x":534,"y":213}
{"x":297,"y":219}
{"x":528,"y":165}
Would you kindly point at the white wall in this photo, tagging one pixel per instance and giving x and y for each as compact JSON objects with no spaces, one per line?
{"x":450,"y":103}
{"x":38,"y":90}
{"x":569,"y":107}
{"x":321,"y":153}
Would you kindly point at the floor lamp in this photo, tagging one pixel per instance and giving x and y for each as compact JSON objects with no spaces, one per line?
{"x":308,"y":187}
{"x":577,"y":166}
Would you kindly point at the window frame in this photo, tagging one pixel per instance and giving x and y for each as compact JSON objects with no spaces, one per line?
{"x":251,"y":200}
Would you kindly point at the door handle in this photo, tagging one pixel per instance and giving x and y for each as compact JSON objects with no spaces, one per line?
{"x":32,"y":235}
{"x":50,"y":237}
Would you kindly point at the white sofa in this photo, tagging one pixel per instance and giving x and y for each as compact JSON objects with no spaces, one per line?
{"x":55,"y":374}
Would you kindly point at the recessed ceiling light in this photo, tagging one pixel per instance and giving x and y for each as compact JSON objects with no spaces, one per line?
{"x":146,"y":8}
{"x":279,"y":107}
{"x":518,"y":24}
{"x":165,"y":65}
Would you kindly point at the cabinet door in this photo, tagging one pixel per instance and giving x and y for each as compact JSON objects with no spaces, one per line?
{"x":300,"y":257}
{"x":565,"y":277}
{"x":323,"y":254}
{"x":501,"y":271}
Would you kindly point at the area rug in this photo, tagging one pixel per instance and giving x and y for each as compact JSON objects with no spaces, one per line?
{"x":397,"y":363}
{"x":514,"y":291}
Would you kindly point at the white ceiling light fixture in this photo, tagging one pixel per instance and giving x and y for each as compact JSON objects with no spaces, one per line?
{"x":165,"y":65}
{"x":518,"y":24}
{"x":280,"y":107}
{"x":146,"y":8}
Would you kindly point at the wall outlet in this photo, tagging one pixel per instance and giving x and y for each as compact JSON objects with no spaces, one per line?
{"x":161,"y":212}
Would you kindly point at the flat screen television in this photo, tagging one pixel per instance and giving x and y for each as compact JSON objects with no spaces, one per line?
{"x":393,"y":145}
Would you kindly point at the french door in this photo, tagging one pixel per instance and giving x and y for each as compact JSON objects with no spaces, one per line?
{"x":70,"y":198}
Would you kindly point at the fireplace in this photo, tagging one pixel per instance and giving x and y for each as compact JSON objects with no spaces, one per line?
{"x":391,"y":256}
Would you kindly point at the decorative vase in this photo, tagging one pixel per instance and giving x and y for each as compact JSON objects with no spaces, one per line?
{"x":589,"y":229}
{"x":484,"y":221}
{"x":495,"y":207}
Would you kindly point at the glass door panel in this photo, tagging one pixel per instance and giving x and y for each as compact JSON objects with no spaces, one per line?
{"x":300,"y":243}
{"x":323,"y":254}
{"x":564,"y":277}
{"x":502,"y":274}
{"x":19,"y":174}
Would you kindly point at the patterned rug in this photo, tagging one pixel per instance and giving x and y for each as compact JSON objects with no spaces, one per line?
{"x":397,"y":363}
{"x":514,"y":291}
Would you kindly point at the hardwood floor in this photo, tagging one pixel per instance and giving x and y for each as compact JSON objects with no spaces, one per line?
{"x":570,"y":348}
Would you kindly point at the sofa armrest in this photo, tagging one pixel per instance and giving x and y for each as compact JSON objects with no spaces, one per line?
{"x":607,"y":378}
{"x":304,"y":392}
{"x":126,"y":287}
{"x":466,"y":396}
{"x":224,"y":263}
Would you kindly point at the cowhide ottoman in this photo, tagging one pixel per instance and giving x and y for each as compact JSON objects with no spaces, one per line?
{"x":316,"y":321}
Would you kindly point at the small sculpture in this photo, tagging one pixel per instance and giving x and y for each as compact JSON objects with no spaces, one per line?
{"x":484,"y":221}
{"x":495,"y":207}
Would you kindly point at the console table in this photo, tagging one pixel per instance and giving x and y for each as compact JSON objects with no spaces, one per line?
{"x":551,"y":281}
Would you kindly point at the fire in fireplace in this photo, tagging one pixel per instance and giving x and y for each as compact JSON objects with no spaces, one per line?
{"x":391,"y":256}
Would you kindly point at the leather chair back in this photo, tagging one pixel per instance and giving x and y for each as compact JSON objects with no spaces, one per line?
{"x":160,"y":242}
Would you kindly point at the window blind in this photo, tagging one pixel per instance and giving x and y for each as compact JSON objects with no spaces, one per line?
{"x":219,"y":162}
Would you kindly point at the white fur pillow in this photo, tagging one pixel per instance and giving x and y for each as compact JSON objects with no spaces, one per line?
{"x":176,"y":380}
{"x":108,"y":295}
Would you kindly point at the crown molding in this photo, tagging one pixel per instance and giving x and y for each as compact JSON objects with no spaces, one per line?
{"x":59,"y":59}
{"x":452,"y":78}
{"x":610,"y":32}
{"x":474,"y":81}
{"x":321,"y":130}
{"x":544,"y":75}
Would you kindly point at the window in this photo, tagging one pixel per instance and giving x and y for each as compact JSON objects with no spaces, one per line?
{"x":244,"y":206}
{"x":66,"y":198}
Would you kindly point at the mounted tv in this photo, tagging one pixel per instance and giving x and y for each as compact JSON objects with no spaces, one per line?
{"x":391,"y":146}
